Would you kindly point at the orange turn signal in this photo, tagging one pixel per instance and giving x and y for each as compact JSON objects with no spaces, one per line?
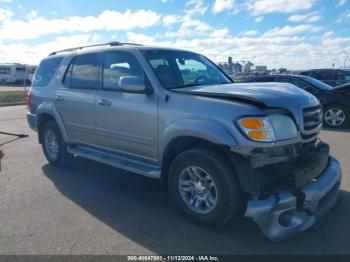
{"x":257,"y":135}
{"x":252,"y":123}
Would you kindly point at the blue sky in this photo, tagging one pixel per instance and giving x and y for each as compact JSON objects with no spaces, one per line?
{"x":297,"y":34}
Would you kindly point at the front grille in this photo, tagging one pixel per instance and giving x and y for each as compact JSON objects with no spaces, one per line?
{"x":312,"y":122}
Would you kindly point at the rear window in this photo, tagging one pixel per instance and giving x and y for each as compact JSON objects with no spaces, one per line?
{"x":46,"y":71}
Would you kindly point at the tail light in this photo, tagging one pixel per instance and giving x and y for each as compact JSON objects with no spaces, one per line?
{"x":28,"y":99}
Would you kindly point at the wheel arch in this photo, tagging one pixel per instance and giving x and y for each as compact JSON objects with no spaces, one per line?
{"x":48,"y":112}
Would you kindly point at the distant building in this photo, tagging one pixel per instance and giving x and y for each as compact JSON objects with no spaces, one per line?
{"x":246,"y":66}
{"x":237,"y":68}
{"x":231,"y":67}
{"x":259,"y":69}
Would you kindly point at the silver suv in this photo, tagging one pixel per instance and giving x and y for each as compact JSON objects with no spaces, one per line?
{"x":170,"y":114}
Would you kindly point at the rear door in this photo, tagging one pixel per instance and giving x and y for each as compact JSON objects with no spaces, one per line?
{"x":75,"y":99}
{"x":126,"y":122}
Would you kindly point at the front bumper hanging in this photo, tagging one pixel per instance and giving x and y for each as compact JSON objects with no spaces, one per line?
{"x":287,"y":213}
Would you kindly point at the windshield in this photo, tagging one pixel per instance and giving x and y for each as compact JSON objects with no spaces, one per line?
{"x":178,"y":69}
{"x":318,"y":84}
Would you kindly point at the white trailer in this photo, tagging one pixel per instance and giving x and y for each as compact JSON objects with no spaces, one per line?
{"x":13,"y":73}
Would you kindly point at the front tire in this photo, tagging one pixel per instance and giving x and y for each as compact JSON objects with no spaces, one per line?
{"x":336,"y":116}
{"x":55,"y":149}
{"x":203,"y":186}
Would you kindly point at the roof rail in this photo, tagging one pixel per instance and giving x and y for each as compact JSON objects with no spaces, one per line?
{"x":87,"y":46}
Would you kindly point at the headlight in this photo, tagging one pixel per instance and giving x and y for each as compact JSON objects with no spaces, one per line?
{"x":268,"y":129}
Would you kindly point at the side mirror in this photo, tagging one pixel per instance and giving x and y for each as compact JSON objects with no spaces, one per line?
{"x":132,"y":84}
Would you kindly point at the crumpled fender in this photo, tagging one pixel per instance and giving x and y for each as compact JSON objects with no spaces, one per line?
{"x":198,"y":128}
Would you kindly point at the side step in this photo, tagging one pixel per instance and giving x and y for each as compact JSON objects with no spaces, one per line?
{"x":116,"y":161}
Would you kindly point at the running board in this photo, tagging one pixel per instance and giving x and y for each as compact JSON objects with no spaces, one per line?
{"x":116,"y":161}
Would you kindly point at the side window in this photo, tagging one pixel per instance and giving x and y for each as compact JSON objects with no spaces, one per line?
{"x":191,"y":70}
{"x":83,"y":72}
{"x":46,"y":71}
{"x":343,"y":76}
{"x":297,"y":82}
{"x":5,"y":70}
{"x":325,"y":75}
{"x":117,"y":65}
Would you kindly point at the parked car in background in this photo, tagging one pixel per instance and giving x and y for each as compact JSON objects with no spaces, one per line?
{"x":332,"y":77}
{"x":173,"y":115}
{"x":335,"y":101}
{"x":13,"y":73}
{"x":242,"y":77}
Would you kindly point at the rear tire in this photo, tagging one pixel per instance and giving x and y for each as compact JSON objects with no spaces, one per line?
{"x":202,"y":185}
{"x":55,"y":149}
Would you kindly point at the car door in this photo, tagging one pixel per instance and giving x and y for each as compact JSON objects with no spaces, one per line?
{"x":125,"y":122}
{"x":75,"y":99}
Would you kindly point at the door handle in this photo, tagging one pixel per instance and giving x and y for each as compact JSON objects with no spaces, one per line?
{"x":59,"y":98}
{"x":104,"y":102}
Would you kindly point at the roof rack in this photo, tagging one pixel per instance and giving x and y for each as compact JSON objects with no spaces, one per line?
{"x":87,"y":46}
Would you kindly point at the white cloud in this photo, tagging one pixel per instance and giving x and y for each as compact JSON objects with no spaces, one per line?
{"x":341,"y":3}
{"x":195,"y":7}
{"x":220,"y":33}
{"x":293,"y":52}
{"x":308,"y":18}
{"x":5,"y":14}
{"x":258,"y":19}
{"x":250,"y":32}
{"x":259,"y":7}
{"x":292,"y":30}
{"x":222,"y":5}
{"x":32,"y":14}
{"x":6,"y":1}
{"x":190,"y":27}
{"x":344,"y":16}
{"x":33,"y":28}
{"x":171,"y":19}
{"x":140,"y":38}
{"x":23,"y":53}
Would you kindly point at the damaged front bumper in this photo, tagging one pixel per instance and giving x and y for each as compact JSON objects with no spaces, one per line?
{"x":287,"y":213}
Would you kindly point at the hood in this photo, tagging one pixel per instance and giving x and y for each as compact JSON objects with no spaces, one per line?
{"x":264,"y":95}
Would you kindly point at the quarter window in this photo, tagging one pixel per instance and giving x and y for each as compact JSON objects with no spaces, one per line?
{"x":46,"y":70}
{"x":117,"y":65}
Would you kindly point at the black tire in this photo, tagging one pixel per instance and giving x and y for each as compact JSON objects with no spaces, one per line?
{"x":339,"y":107}
{"x":228,"y":192}
{"x":63,"y":156}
